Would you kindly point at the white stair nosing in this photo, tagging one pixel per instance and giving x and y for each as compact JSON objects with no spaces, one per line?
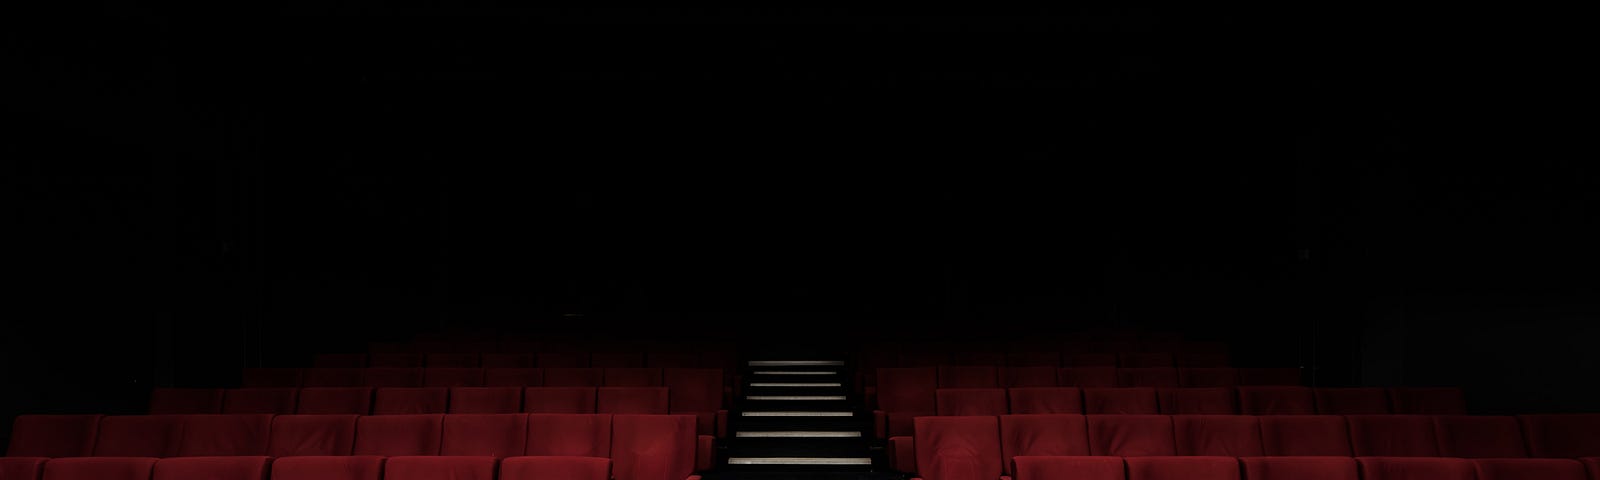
{"x":799,"y":461}
{"x":780,"y":372}
{"x":797,"y":414}
{"x":798,"y":434}
{"x":796,"y":397}
{"x":794,"y":384}
{"x":796,"y":363}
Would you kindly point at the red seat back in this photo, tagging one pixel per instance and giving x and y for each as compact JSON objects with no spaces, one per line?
{"x":1217,"y":435}
{"x":328,"y":468}
{"x":1299,"y":468}
{"x":581,"y":435}
{"x":632,"y":400}
{"x":139,"y":436}
{"x":502,"y":435}
{"x":653,"y":447}
{"x":312,"y":435}
{"x":1041,"y":400}
{"x":1036,"y":435}
{"x":558,"y":400}
{"x":958,"y":448}
{"x":53,"y":436}
{"x":485,"y":400}
{"x":971,"y":401}
{"x":1182,"y":468}
{"x":1131,"y":401}
{"x":1131,"y":435}
{"x":1392,"y":435}
{"x":225,"y":435}
{"x":335,"y":401}
{"x":260,"y":400}
{"x":1464,"y":436}
{"x":437,"y":468}
{"x":1276,"y":400}
{"x":212,"y":468}
{"x":99,"y":468}
{"x":1305,"y":435}
{"x":1198,"y":401}
{"x":452,"y":377}
{"x":1395,"y":468}
{"x":1562,"y":436}
{"x":398,"y":435}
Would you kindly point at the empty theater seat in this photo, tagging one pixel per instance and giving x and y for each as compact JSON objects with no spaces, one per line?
{"x":698,"y":392}
{"x":335,"y":400}
{"x":339,"y":360}
{"x":139,"y":436}
{"x":185,"y":400}
{"x":958,"y":448}
{"x":513,"y":377}
{"x":1198,"y":401}
{"x":453,"y":377}
{"x":1561,"y":436}
{"x":971,"y":401}
{"x":392,"y":377}
{"x":1147,"y":377}
{"x":1351,"y":401}
{"x":1428,"y":401}
{"x":224,"y":435}
{"x":1305,"y":435}
{"x":1084,"y":377}
{"x":1299,"y":468}
{"x":507,"y":360}
{"x":572,"y":377}
{"x":631,"y":377}
{"x":405,"y":401}
{"x":89,"y":468}
{"x":394,"y":360}
{"x":904,"y":393}
{"x":1208,"y":377}
{"x":1136,"y":401}
{"x":969,"y":377}
{"x":1465,"y":436}
{"x":1045,"y":400}
{"x":272,"y":377}
{"x":1217,"y":435}
{"x":452,"y":360}
{"x":1182,"y":468}
{"x":558,"y":400}
{"x":1131,"y":435}
{"x":1392,"y":435}
{"x":1529,"y":469}
{"x":437,"y":468}
{"x":578,"y":435}
{"x":1074,"y":468}
{"x":23,"y":468}
{"x":634,"y":400}
{"x":1280,"y":400}
{"x":1145,"y":360}
{"x":1397,"y":468}
{"x":1028,"y":376}
{"x":653,"y":447}
{"x":502,"y":435}
{"x":485,"y":400}
{"x":331,"y":377}
{"x":212,"y":468}
{"x":53,"y":436}
{"x":312,"y":435}
{"x":328,"y":468}
{"x":260,"y":400}
{"x":398,"y":435}
{"x":567,"y":468}
{"x":1270,"y":376}
{"x":1038,"y":435}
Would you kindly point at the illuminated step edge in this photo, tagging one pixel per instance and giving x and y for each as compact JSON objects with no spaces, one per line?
{"x":798,"y":414}
{"x":798,"y":461}
{"x":798,"y":434}
{"x":781,"y":372}
{"x":794,"y":397}
{"x":796,"y":363}
{"x":794,"y":384}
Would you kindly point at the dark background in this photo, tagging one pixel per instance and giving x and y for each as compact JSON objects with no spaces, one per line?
{"x":1387,"y":198}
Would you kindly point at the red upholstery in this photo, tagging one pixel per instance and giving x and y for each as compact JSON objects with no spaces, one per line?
{"x":1087,"y":377}
{"x":224,"y":435}
{"x":437,"y":468}
{"x":507,"y":360}
{"x":312,"y":435}
{"x":1592,"y":464}
{"x":696,"y":391}
{"x":398,"y":435}
{"x":555,"y":468}
{"x":332,"y":377}
{"x":1182,"y":468}
{"x":1090,"y":360}
{"x":392,"y":377}
{"x":1351,"y":401}
{"x":212,"y":468}
{"x":53,"y":436}
{"x":561,"y":360}
{"x":635,"y":400}
{"x":1304,"y":435}
{"x":969,"y":377}
{"x":1559,"y":436}
{"x":503,"y":435}
{"x":581,"y":435}
{"x":452,"y":360}
{"x":272,"y":377}
{"x":958,"y":448}
{"x":139,"y":436}
{"x":1276,"y":401}
{"x":1033,"y":359}
{"x":1217,"y":435}
{"x":260,"y":400}
{"x":904,"y":393}
{"x":1145,"y":360}
{"x":1069,"y":468}
{"x":1428,"y":401}
{"x":1032,"y":376}
{"x":1465,"y":436}
{"x":631,"y":377}
{"x":1134,"y":400}
{"x":1208,"y":377}
{"x":1270,"y":376}
{"x":1130,"y":435}
{"x":452,"y":377}
{"x":1046,"y":400}
{"x":335,"y":400}
{"x":21,"y":468}
{"x":558,"y":400}
{"x":653,"y":447}
{"x":339,"y":360}
{"x":1147,"y":377}
{"x":1299,"y":468}
{"x":616,"y":360}
{"x":1203,"y":360}
{"x":513,"y":377}
{"x":1393,"y":468}
{"x":485,"y":400}
{"x":328,"y":468}
{"x":1036,"y":435}
{"x":394,"y":360}
{"x":1529,"y":469}
{"x":572,"y":377}
{"x":406,"y":401}
{"x":185,"y":400}
{"x":104,"y":468}
{"x":1392,"y":435}
{"x":1198,"y":401}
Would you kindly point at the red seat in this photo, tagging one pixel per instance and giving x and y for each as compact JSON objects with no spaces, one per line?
{"x":558,"y":400}
{"x":1465,"y":436}
{"x":407,"y":401}
{"x":1039,"y":376}
{"x":392,"y":377}
{"x":616,"y":360}
{"x":1592,"y":464}
{"x":436,"y":468}
{"x":969,"y":377}
{"x":1145,"y":360}
{"x":1033,"y":359}
{"x":1392,"y":435}
{"x":1299,"y":468}
{"x":272,"y":377}
{"x":398,"y":435}
{"x":1131,"y":435}
{"x":312,"y":435}
{"x":1217,"y":435}
{"x":22,"y":468}
{"x":452,"y":360}
{"x":339,"y":360}
{"x":1394,"y":468}
{"x":1198,"y":401}
{"x":697,"y":391}
{"x":90,"y":468}
{"x":553,"y":468}
{"x":507,"y":360}
{"x":212,"y":468}
{"x":260,"y":400}
{"x":513,"y":377}
{"x":1203,"y":360}
{"x":1208,"y":377}
{"x":394,"y":360}
{"x":485,"y":400}
{"x":904,"y":393}
{"x":1270,"y":376}
{"x":958,"y":448}
{"x":1087,"y":377}
{"x":139,"y":436}
{"x":1074,"y":468}
{"x":631,"y":377}
{"x":561,"y":360}
{"x":971,"y":401}
{"x":1036,"y":435}
{"x":653,"y":447}
{"x":328,"y":468}
{"x":577,"y":435}
{"x":1561,"y":436}
{"x":1351,"y":401}
{"x":1529,"y":469}
{"x":1045,"y":400}
{"x":634,"y":400}
{"x":1276,"y":401}
{"x":503,"y":435}
{"x":1182,"y":468}
{"x":53,"y":436}
{"x":1147,"y":377}
{"x":1304,"y":435}
{"x":1133,"y":400}
{"x":166,"y":401}
{"x":572,"y":377}
{"x":1090,"y":360}
{"x":224,"y":435}
{"x":332,"y":377}
{"x":1428,"y":401}
{"x":335,"y":400}
{"x":452,"y":377}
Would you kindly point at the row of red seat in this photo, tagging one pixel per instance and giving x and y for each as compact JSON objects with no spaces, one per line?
{"x":484,"y":377}
{"x":644,"y":447}
{"x":322,"y":468}
{"x":1200,"y":401}
{"x":999,"y":439}
{"x":1065,"y":358}
{"x":927,"y":378}
{"x":524,"y":360}
{"x":1292,"y":468}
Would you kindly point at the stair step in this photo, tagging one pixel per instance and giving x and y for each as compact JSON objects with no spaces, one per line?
{"x":796,"y":384}
{"x":799,"y":434}
{"x":834,"y":398}
{"x":796,"y":363}
{"x":796,"y":372}
{"x":799,"y":461}
{"x":797,"y":414}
